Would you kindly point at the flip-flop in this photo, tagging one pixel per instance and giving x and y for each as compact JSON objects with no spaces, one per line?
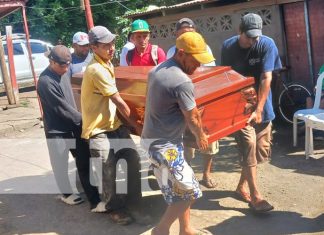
{"x":208,"y":183}
{"x":202,"y":232}
{"x":261,"y":206}
{"x":243,"y":196}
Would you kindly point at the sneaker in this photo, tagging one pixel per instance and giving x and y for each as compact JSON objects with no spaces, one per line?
{"x":72,"y":199}
{"x":100,"y":208}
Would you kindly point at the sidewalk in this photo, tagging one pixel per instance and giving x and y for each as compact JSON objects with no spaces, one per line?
{"x":19,"y":117}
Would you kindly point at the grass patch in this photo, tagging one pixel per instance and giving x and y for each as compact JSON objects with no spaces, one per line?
{"x":24,"y":103}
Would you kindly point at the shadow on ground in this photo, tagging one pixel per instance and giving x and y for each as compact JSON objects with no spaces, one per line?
{"x":285,"y":156}
{"x":51,"y":216}
{"x":248,"y":222}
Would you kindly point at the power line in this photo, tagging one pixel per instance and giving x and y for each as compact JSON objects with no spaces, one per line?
{"x":39,"y":18}
{"x":67,"y":9}
{"x":123,"y":6}
{"x":78,"y":7}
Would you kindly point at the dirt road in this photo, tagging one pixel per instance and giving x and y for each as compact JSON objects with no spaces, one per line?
{"x":294,"y":186}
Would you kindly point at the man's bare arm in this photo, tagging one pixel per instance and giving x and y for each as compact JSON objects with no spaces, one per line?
{"x":125,"y":111}
{"x":194,"y":123}
{"x":263,"y":92}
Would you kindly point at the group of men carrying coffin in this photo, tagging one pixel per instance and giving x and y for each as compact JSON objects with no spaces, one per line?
{"x":170,"y":107}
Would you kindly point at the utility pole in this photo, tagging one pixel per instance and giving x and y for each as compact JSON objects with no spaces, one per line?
{"x":23,"y":12}
{"x":12,"y":64}
{"x":5,"y":76}
{"x":88,"y":13}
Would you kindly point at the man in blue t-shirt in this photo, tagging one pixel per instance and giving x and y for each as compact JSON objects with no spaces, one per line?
{"x":252,"y":54}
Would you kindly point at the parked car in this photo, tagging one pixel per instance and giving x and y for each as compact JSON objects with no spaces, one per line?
{"x":21,"y":59}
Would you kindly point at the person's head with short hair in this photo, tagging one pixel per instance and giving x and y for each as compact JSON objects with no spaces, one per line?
{"x":185,"y":25}
{"x":140,"y":30}
{"x":81,"y":44}
{"x":60,"y":59}
{"x":250,"y":30}
{"x":130,"y":37}
{"x":191,"y":51}
{"x":102,"y":42}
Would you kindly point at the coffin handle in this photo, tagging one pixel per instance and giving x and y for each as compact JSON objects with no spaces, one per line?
{"x":250,"y":95}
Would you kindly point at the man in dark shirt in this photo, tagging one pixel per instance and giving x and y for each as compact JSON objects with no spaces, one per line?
{"x":253,"y":54}
{"x":62,"y":124}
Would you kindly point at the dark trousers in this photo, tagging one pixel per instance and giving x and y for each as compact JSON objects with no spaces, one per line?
{"x":112,"y":147}
{"x":59,"y":146}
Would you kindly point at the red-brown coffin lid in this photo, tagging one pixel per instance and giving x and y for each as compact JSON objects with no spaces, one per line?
{"x":210,"y":82}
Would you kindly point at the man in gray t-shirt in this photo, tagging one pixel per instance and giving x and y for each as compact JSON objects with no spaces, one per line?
{"x":182,"y":26}
{"x":170,"y":91}
{"x":170,"y":106}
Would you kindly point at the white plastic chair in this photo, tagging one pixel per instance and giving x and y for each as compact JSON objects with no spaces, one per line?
{"x":301,"y":114}
{"x":312,"y":122}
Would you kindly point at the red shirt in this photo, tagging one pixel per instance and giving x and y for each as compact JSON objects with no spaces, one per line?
{"x":146,"y":59}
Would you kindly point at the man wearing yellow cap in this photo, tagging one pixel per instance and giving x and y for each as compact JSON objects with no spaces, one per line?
{"x":170,"y":106}
{"x":187,"y":25}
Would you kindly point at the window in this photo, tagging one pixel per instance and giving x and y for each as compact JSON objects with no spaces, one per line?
{"x":37,"y":47}
{"x":17,"y":49}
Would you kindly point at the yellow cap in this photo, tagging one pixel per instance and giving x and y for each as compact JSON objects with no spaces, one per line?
{"x":193,"y":43}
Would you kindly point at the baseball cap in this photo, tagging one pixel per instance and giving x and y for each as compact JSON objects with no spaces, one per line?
{"x":100,"y":34}
{"x":60,"y":54}
{"x":185,"y":23}
{"x":251,"y":25}
{"x":80,"y":38}
{"x":193,"y":43}
{"x":140,"y":26}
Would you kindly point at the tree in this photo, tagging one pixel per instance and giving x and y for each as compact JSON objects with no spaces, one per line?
{"x":51,"y":20}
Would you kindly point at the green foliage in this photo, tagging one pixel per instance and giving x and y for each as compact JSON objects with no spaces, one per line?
{"x":53,"y":20}
{"x":123,"y":27}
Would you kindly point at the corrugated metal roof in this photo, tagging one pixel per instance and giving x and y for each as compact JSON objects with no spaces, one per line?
{"x":180,"y":5}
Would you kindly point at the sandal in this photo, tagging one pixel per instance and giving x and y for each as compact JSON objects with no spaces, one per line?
{"x":197,"y":232}
{"x":208,"y":183}
{"x":243,"y":196}
{"x":261,"y":206}
{"x":202,"y":232}
{"x":120,"y":217}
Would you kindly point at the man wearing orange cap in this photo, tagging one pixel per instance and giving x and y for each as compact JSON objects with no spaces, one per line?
{"x":170,"y":107}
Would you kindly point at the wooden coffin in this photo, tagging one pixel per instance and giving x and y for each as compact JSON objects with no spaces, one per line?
{"x":220,"y":93}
